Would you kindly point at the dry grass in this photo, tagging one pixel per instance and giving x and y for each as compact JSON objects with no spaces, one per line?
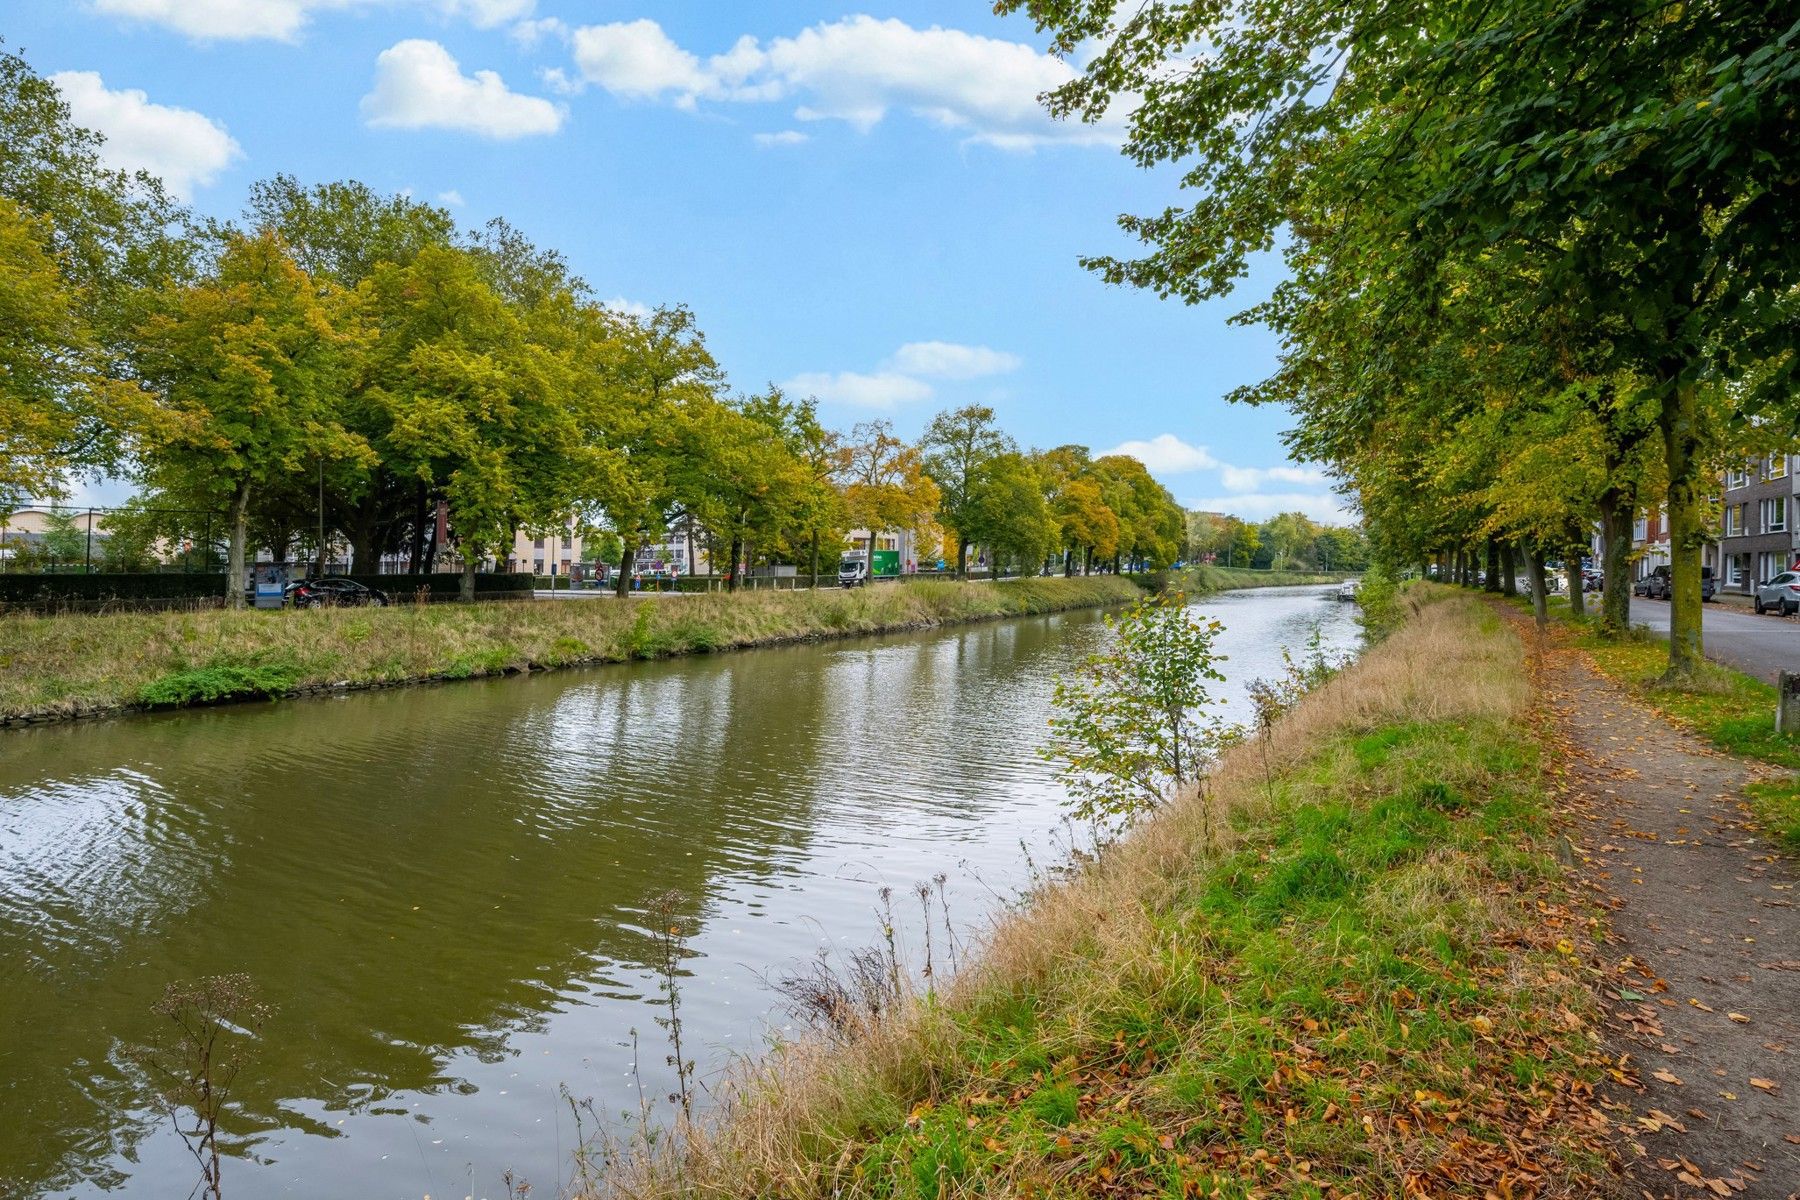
{"x":951,"y":1097}
{"x":67,"y":666}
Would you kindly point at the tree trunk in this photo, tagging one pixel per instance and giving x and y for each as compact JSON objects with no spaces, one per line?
{"x":1615,"y":563}
{"x":1509,"y":571}
{"x":737,"y":551}
{"x":234,"y":556}
{"x":1493,"y":564}
{"x":470,"y":560}
{"x":622,"y":585}
{"x":1681,"y":438}
{"x":1540,"y":602}
{"x":1572,"y":565}
{"x":416,"y":560}
{"x":815,"y":559}
{"x":869,"y":579}
{"x":962,"y":557}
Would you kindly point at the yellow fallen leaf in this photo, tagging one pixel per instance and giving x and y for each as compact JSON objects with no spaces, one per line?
{"x":1481,"y":1025}
{"x":1740,"y":1018}
{"x":1698,"y":1005}
{"x":1667,"y":1076}
{"x":1767,"y":1085}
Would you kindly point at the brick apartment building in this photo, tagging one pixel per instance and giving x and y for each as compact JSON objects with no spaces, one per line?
{"x":1756,"y":522}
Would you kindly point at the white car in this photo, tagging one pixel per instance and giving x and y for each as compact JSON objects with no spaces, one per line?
{"x":1781,"y":593}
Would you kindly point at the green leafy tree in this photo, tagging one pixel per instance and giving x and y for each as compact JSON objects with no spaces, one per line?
{"x":885,"y":484}
{"x":246,"y":365}
{"x":1134,"y":724}
{"x":1007,"y":512}
{"x":1287,"y":535}
{"x":960,"y":446}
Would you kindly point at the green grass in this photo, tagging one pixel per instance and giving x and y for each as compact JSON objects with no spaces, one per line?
{"x":1339,"y":966}
{"x":217,"y":681}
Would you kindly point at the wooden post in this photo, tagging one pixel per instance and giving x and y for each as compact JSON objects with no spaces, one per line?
{"x":1787,"y":703}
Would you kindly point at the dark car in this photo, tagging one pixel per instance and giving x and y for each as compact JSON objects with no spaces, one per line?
{"x":1660,"y":582}
{"x":333,"y":592}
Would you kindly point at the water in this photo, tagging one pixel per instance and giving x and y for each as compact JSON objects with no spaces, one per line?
{"x":443,"y":891}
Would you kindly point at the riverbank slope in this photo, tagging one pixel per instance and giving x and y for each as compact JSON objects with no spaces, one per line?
{"x":1351,"y":969}
{"x":58,"y":668}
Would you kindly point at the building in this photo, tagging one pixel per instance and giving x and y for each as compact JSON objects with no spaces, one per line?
{"x":1649,"y":542}
{"x":546,"y":552}
{"x":1756,"y":522}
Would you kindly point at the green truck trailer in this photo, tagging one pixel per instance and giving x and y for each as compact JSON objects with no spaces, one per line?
{"x":853,"y":568}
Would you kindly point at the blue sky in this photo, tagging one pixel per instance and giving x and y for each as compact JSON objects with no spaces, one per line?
{"x":863,"y":203}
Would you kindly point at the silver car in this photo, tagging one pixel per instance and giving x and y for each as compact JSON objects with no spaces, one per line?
{"x":1781,"y":593}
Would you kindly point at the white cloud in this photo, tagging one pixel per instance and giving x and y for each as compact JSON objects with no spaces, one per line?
{"x":452,"y":197}
{"x":1167,"y":454}
{"x":950,"y":360}
{"x":883,"y":389}
{"x":1324,"y":507}
{"x":418,"y":85}
{"x":529,"y":33}
{"x":282,"y":20}
{"x":629,"y":308}
{"x":855,"y":70}
{"x":485,"y":14}
{"x":787,"y":137}
{"x":638,"y":60}
{"x":1251,"y":479}
{"x":185,"y":148}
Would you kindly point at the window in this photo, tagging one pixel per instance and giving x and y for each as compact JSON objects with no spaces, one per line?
{"x":537,"y":566}
{"x":1768,"y":565}
{"x":1774,"y":514}
{"x":1734,"y":520}
{"x":1734,"y":569}
{"x":1778,"y":466}
{"x":537,"y":544}
{"x":1736,"y":479}
{"x":1640,"y":528}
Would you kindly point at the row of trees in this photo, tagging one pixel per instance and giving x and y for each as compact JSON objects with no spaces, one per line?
{"x":1541,"y":271}
{"x":338,"y":364}
{"x":1289,"y":540}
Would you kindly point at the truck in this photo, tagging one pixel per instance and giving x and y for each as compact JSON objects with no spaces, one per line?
{"x":853,"y":570}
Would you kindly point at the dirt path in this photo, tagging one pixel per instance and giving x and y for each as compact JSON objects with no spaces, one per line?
{"x":1705,"y":946}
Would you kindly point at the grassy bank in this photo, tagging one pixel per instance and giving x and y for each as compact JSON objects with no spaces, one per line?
{"x":1207,"y":578}
{"x":67,"y":666}
{"x":1350,"y":971}
{"x":1733,"y":711}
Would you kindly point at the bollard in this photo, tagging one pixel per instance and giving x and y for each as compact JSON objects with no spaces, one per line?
{"x":1787,"y":703}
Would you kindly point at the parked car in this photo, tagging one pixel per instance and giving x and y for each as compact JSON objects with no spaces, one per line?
{"x":1659,"y":583}
{"x":1781,"y":593}
{"x":333,"y":592}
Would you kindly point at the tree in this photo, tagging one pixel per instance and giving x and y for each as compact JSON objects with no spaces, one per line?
{"x":960,"y":446}
{"x":1403,"y":146}
{"x":245,"y":365}
{"x":1287,"y":535}
{"x":1006,"y":511}
{"x":1131,"y":727}
{"x":475,"y":408}
{"x":84,"y":253}
{"x":885,"y":485}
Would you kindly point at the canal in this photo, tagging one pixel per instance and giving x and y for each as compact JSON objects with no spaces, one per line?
{"x":443,"y":891}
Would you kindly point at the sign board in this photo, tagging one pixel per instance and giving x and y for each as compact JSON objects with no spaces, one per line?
{"x":271,"y":583}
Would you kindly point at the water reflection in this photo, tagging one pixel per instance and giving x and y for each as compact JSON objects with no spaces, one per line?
{"x":443,"y":890}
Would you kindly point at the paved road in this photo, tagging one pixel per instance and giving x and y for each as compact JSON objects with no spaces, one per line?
{"x":1760,"y":646}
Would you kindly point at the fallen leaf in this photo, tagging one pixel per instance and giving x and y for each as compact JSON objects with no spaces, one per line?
{"x":1697,"y":1004}
{"x":1740,"y":1018}
{"x":1667,"y":1077}
{"x":1767,"y":1085}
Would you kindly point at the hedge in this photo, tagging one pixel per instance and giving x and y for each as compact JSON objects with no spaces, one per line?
{"x":25,"y":589}
{"x":50,"y":589}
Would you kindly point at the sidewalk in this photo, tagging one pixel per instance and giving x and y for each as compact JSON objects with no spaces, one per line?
{"x":1705,"y":970}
